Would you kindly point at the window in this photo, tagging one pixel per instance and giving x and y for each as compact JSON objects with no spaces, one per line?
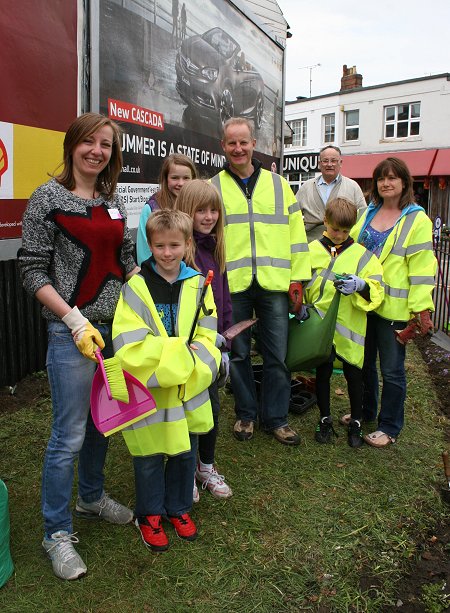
{"x":328,"y":128}
{"x":352,"y":125}
{"x":299,"y":127}
{"x":296,"y":179}
{"x":402,"y":120}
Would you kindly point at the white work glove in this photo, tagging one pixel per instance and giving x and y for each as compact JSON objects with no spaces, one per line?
{"x":221,"y":341}
{"x":224,"y":370}
{"x":85,"y":336}
{"x":350,"y":285}
{"x":302,"y":313}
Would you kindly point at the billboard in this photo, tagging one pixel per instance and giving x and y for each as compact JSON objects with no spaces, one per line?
{"x":171,"y":73}
{"x":38,"y":81}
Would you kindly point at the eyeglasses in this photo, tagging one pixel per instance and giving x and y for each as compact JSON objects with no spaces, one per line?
{"x":330,"y":162}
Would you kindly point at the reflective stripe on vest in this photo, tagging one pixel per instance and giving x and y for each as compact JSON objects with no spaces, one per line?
{"x":428,"y":246}
{"x":261,"y":261}
{"x":139,"y":307}
{"x":153,"y":381}
{"x":208,"y":322}
{"x":161,"y":416}
{"x":278,"y":217}
{"x":171,"y":415}
{"x":196,"y":401}
{"x":363,"y":260}
{"x":205,"y":356}
{"x":422,"y":281}
{"x":293,"y":208}
{"x":129,"y":337}
{"x":299,"y":248}
{"x":345,"y":332}
{"x":216,"y":182}
{"x":395,"y":292}
{"x":398,"y":248}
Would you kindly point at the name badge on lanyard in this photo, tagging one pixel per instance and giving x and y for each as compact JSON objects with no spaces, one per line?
{"x":115,"y":214}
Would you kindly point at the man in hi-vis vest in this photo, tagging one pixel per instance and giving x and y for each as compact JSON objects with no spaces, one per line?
{"x":267,"y":260}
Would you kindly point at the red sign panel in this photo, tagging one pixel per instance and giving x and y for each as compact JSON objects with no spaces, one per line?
{"x":131,"y":113}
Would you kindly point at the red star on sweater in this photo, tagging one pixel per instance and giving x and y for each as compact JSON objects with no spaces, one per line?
{"x":100,"y":238}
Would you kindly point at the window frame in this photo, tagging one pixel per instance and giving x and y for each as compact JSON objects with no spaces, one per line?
{"x":302,"y":133}
{"x":395,"y":122}
{"x":329,"y":135}
{"x":347,"y":127}
{"x":296,"y":179}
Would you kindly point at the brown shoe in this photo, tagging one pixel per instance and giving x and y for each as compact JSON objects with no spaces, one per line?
{"x":286,"y":436}
{"x":243,"y":430}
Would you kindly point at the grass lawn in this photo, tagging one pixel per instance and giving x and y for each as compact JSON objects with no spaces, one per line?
{"x":314,"y":528}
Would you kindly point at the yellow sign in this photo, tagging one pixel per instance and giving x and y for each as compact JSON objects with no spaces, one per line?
{"x":37,"y":153}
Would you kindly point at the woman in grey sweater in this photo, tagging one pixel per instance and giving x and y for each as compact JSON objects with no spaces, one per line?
{"x":76,"y":254}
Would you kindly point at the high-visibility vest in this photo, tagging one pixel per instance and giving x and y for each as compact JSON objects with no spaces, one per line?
{"x":177,"y":376}
{"x":350,"y":333}
{"x":409,"y":267}
{"x":264,"y":233}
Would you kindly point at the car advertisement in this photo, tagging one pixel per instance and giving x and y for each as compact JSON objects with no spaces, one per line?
{"x":171,"y":73}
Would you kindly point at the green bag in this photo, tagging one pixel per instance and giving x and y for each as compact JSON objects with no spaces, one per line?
{"x":310,"y":341}
{"x":6,"y":563}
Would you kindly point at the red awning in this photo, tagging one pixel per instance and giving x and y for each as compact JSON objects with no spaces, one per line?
{"x":441,"y":164}
{"x":420,"y":163}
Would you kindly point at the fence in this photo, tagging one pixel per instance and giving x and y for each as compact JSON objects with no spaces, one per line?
{"x":442,"y":290}
{"x":23,"y":336}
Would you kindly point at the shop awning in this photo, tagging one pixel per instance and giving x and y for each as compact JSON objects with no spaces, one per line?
{"x":420,"y":163}
{"x":441,"y":164}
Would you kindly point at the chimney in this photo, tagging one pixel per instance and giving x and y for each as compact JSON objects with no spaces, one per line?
{"x":350,"y":78}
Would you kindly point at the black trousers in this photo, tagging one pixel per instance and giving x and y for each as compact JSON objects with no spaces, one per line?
{"x":353,"y":376}
{"x":207,"y":442}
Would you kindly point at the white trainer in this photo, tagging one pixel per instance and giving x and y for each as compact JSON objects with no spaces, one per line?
{"x":106,"y":508}
{"x":195,"y":494}
{"x":66,"y":563}
{"x":212,"y":481}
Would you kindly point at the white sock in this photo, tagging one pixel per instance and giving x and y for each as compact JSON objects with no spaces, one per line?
{"x":206,"y":467}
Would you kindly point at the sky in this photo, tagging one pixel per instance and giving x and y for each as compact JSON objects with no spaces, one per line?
{"x":387,"y":40}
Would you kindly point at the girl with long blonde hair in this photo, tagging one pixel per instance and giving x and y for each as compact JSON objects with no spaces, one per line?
{"x":202,"y":202}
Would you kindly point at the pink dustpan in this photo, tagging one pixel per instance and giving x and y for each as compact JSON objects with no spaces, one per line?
{"x":110,"y":415}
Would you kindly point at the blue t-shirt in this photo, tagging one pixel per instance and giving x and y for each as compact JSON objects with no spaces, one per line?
{"x":373,"y":240}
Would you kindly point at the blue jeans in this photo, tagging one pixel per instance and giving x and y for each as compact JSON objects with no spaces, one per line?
{"x":164,"y":486}
{"x":272,"y":309}
{"x":380,"y":339}
{"x":73,"y":432}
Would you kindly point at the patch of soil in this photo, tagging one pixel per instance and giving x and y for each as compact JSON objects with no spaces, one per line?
{"x":29,"y":391}
{"x":432,"y":568}
{"x":437,"y":360}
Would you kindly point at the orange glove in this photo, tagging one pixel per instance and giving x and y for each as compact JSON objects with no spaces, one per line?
{"x":419,"y":324}
{"x":425,"y":325}
{"x":406,"y":335}
{"x":296,"y":296}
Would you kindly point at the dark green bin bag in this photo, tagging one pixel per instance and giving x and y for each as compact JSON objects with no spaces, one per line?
{"x":6,"y":563}
{"x":310,"y":341}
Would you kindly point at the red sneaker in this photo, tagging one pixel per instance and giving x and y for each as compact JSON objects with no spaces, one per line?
{"x":184,"y":527}
{"x":152,"y":532}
